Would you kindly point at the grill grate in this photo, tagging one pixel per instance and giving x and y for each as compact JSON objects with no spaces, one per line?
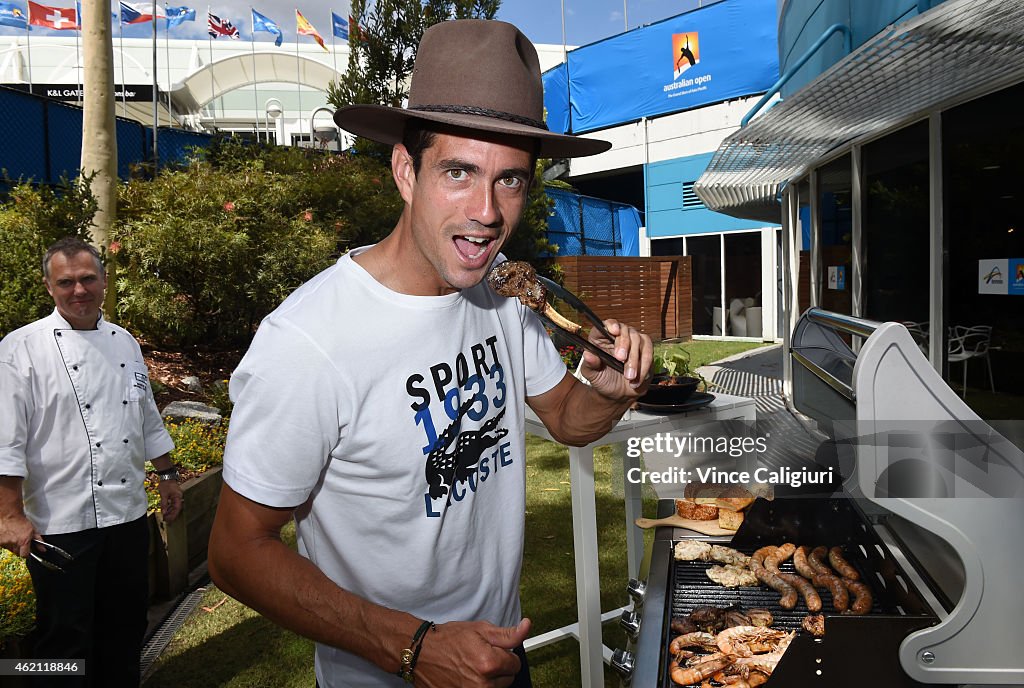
{"x":692,"y":588}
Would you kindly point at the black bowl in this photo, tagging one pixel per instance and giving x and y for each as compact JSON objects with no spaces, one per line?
{"x":669,"y":389}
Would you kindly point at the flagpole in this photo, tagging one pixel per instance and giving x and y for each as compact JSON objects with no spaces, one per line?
{"x":298,"y":74}
{"x":209,"y":68}
{"x":167,"y":60}
{"x":28,"y":46}
{"x":78,"y":57}
{"x":156,"y":110}
{"x":255,"y":91}
{"x":334,"y":47}
{"x":120,"y":40}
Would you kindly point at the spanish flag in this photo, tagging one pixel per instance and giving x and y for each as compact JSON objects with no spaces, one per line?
{"x":304,"y":28}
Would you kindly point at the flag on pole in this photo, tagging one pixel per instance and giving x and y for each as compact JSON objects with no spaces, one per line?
{"x":304,"y":28}
{"x":339,"y":27}
{"x":60,"y":18}
{"x":139,"y":13}
{"x":12,"y":15}
{"x":221,"y":27}
{"x":262,"y":23}
{"x":178,"y":15}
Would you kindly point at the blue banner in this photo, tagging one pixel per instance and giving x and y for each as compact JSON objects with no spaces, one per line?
{"x":556,"y":99}
{"x":715,"y":53}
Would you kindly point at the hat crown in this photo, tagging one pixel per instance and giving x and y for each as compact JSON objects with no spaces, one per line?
{"x":478,"y":64}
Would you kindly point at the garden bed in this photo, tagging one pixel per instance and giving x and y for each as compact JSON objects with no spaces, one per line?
{"x":177,"y":548}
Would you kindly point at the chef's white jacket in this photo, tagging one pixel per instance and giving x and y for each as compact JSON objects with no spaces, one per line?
{"x":77,"y":422}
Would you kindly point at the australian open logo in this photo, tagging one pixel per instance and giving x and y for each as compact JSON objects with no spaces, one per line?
{"x":994,"y":276}
{"x":685,"y":52}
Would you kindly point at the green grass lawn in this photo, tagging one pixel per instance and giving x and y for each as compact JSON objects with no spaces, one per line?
{"x":233,"y":646}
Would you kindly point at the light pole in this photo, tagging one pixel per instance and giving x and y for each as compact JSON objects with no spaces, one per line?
{"x":274,"y":112}
{"x":323,"y":135}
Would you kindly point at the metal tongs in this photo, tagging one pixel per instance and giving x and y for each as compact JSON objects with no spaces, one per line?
{"x":52,"y":558}
{"x":577,"y":303}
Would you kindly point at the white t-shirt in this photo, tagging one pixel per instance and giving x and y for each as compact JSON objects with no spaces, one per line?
{"x":395,"y":424}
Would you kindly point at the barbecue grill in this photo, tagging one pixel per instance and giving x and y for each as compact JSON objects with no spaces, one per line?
{"x":927,"y":512}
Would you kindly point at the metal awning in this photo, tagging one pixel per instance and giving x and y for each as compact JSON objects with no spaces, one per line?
{"x":956,"y":50}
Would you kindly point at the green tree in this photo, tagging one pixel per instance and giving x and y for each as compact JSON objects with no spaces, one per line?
{"x":99,"y":147}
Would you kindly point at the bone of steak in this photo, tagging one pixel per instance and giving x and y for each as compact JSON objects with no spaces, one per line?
{"x":515,"y":278}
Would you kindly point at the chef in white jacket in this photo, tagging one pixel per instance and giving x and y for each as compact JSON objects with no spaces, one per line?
{"x":77,"y":424}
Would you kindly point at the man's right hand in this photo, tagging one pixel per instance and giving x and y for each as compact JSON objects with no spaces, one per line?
{"x":470,"y":653}
{"x":17,"y":533}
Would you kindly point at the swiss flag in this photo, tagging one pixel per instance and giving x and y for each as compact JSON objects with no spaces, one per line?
{"x":60,"y":18}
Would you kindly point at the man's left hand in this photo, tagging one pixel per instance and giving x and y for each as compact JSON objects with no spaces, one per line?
{"x":630,"y":346}
{"x":170,"y":499}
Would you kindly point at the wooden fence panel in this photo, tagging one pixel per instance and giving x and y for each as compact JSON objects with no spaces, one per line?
{"x":652,"y":294}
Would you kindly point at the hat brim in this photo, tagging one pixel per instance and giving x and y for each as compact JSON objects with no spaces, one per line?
{"x":387,"y":125}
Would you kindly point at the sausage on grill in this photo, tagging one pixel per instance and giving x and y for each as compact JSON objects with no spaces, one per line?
{"x":842,"y":567}
{"x":862,"y":601}
{"x":803,"y":567}
{"x":772,"y":579}
{"x":810,"y":595}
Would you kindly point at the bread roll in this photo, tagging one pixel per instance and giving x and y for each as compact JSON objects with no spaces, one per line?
{"x":730,"y":520}
{"x":697,"y":512}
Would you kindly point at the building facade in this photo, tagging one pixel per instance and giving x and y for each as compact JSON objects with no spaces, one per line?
{"x":666,"y":95}
{"x":894,"y":163}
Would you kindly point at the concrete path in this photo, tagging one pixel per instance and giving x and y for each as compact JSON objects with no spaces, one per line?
{"x":793,"y":441}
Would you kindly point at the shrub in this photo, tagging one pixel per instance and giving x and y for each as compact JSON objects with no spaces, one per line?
{"x":32,"y":218}
{"x":198,"y":447}
{"x":17,"y":597}
{"x":208,"y":250}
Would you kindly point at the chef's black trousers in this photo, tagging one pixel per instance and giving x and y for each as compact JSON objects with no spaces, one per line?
{"x":96,"y":609}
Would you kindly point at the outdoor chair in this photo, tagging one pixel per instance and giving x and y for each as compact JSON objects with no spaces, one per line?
{"x":919,"y":331}
{"x":966,"y":343}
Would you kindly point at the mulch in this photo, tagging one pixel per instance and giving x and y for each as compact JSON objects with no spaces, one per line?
{"x":171,"y":367}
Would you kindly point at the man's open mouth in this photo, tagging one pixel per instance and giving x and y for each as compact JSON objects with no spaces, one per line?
{"x":472,"y":247}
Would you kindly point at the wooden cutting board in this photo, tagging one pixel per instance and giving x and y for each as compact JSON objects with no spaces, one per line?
{"x":706,"y":527}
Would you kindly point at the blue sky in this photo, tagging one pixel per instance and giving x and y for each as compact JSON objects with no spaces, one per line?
{"x":541,"y":20}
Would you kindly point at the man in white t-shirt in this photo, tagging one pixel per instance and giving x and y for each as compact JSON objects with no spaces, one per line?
{"x":382,"y":404}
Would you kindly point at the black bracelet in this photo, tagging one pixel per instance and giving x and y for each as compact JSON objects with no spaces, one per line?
{"x":412,"y":653}
{"x":168,"y":474}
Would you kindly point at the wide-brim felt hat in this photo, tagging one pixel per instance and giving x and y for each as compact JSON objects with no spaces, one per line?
{"x":474,"y":74}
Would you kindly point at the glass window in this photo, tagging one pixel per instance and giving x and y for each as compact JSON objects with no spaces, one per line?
{"x":706,"y":267}
{"x":836,"y":221}
{"x":743,"y":283}
{"x":983,"y":220}
{"x":896,"y":227}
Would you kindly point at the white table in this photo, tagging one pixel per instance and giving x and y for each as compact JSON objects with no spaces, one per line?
{"x":584,"y":519}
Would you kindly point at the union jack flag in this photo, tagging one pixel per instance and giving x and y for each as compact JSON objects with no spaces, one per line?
{"x":221,"y":27}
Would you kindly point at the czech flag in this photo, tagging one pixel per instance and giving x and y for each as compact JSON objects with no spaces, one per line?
{"x":139,"y":13}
